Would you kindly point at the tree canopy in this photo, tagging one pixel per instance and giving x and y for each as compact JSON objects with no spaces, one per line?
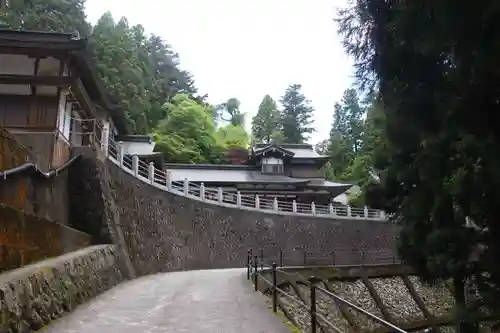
{"x":433,"y":65}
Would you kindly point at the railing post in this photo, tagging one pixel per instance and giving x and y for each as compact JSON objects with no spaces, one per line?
{"x":275,"y":292}
{"x":220,"y":195}
{"x":105,"y":141}
{"x":313,"y":208}
{"x":257,"y":202}
{"x":238,"y":198}
{"x":249,"y":253}
{"x":382,"y":215}
{"x":202,"y":191}
{"x":135,"y":165}
{"x":275,"y":204}
{"x":349,"y":211}
{"x":294,"y":206}
{"x":304,"y":257}
{"x":168,"y":180}
{"x":151,"y":172}
{"x":330,"y":208}
{"x":255,"y":279}
{"x":261,"y":259}
{"x":333,"y":258}
{"x":185,"y":185}
{"x":366,"y":212}
{"x":281,"y":257}
{"x":121,"y":153}
{"x":312,"y":309}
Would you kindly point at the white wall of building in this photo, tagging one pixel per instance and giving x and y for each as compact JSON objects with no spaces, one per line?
{"x":138,"y":148}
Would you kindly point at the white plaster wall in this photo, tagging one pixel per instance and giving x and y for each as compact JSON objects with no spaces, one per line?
{"x":138,"y":148}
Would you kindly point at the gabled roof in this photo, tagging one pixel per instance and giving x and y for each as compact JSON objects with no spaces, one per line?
{"x":77,"y":48}
{"x":261,"y":151}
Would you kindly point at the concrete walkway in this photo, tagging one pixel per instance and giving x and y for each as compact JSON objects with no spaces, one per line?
{"x":215,"y":301}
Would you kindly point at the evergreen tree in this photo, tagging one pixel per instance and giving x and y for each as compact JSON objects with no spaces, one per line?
{"x":439,"y":91}
{"x":266,"y":122}
{"x":46,"y":15}
{"x":296,"y":114}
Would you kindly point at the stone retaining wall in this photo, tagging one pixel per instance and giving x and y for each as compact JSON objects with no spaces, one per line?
{"x":25,"y":238}
{"x":33,"y":296}
{"x":165,"y":231}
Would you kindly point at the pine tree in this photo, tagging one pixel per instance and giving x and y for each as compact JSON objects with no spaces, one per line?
{"x":296,"y":115}
{"x":266,"y":122}
{"x":46,"y":15}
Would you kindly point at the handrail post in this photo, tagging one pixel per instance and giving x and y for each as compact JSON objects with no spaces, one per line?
{"x":349,"y":212}
{"x":135,"y":165}
{"x":238,"y":198}
{"x":365,"y":212}
{"x":121,"y":153}
{"x":275,"y":204}
{"x":333,"y":258}
{"x":261,"y":259}
{"x":220,"y":195}
{"x":312,"y":309}
{"x":281,"y":257}
{"x":151,"y":172}
{"x":249,"y":253}
{"x":275,"y":292}
{"x":202,"y":191}
{"x":313,"y":208}
{"x":294,"y":206}
{"x":305,"y":257}
{"x":185,"y":186}
{"x":168,"y":180}
{"x":257,"y":202}
{"x":255,"y":278}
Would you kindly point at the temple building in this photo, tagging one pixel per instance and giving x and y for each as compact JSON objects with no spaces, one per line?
{"x":284,"y":171}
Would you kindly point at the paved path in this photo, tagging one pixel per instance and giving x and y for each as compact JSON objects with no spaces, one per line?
{"x":215,"y":301}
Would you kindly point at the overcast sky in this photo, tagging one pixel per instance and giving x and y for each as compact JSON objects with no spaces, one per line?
{"x":247,"y":49}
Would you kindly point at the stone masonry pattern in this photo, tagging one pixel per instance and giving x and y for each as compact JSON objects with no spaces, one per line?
{"x":33,"y":296}
{"x":168,"y":232}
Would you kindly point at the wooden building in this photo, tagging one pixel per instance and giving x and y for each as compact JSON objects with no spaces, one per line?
{"x":50,"y":96}
{"x":286,"y":171}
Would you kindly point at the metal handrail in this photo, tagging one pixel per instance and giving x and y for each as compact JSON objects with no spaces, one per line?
{"x":147,"y":173}
{"x":357,"y":308}
{"x":253,"y":272}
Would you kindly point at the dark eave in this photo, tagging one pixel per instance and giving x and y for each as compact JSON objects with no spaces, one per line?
{"x":58,"y":81}
{"x":212,"y":166}
{"x":135,"y":138}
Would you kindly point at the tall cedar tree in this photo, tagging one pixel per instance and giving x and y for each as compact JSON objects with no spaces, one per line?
{"x":433,"y":62}
{"x":266,"y":122}
{"x":296,"y":114}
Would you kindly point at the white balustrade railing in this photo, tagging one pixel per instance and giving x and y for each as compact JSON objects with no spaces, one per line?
{"x":162,"y":180}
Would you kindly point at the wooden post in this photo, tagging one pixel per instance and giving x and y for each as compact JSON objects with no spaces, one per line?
{"x":275,"y":292}
{"x":312,"y":309}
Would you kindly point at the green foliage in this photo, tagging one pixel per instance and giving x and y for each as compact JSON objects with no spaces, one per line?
{"x":438,"y":84}
{"x":296,"y":114}
{"x":46,"y":15}
{"x":187,"y":135}
{"x":266,"y":123}
{"x":233,"y":136}
{"x":141,"y":71}
{"x":229,"y":111}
